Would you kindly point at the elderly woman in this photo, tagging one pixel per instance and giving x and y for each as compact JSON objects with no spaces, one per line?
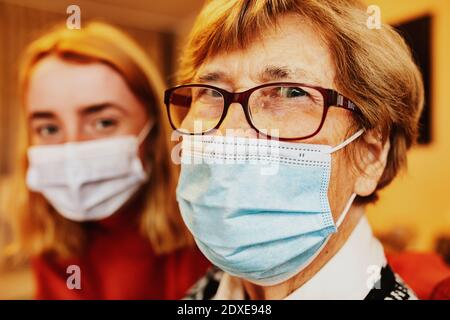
{"x":294,"y":114}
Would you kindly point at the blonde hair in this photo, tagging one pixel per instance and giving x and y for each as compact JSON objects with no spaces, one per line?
{"x":39,"y":228}
{"x":374,"y":67}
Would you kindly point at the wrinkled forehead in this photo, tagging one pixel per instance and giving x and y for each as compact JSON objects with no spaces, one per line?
{"x":290,"y":50}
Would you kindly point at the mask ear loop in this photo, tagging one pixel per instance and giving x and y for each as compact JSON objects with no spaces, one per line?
{"x":346,"y":210}
{"x":141,"y":138}
{"x":145,"y":131}
{"x":349,"y":140}
{"x":353,"y":196}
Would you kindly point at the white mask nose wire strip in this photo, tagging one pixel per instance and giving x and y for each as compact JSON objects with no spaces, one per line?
{"x":145,"y":131}
{"x":349,"y":140}
{"x":346,"y":210}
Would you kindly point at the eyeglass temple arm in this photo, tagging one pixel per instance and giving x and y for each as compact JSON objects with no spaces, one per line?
{"x":338,"y":100}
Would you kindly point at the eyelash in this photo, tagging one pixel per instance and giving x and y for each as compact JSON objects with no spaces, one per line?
{"x":39,"y":129}
{"x":111,"y":122}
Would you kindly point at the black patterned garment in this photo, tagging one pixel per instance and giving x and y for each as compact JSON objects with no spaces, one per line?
{"x":390,"y":287}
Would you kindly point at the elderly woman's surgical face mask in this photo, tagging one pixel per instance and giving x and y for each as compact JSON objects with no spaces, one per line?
{"x":260,"y":208}
{"x":87,"y":131}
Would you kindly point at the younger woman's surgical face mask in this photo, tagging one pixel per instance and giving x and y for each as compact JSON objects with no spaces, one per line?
{"x":88,"y":180}
{"x":258,"y":209}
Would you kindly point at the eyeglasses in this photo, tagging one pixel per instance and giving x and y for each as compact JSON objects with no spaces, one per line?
{"x":282,"y":110}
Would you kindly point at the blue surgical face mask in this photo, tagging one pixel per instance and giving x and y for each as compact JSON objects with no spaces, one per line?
{"x":258,"y":209}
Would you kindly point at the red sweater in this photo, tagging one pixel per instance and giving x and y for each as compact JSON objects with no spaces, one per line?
{"x":119,"y":263}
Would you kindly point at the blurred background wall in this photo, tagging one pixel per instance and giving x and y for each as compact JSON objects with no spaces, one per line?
{"x":411,"y":213}
{"x":417,"y":202}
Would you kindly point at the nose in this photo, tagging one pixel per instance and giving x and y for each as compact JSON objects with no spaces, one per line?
{"x":236,"y":124}
{"x":72,"y":133}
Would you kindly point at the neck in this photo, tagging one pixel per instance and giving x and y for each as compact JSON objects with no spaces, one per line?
{"x":336,"y":241}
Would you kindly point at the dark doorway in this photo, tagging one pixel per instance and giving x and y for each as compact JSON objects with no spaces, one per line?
{"x":417,"y":34}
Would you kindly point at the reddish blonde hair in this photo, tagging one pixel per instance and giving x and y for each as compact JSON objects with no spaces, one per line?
{"x":39,"y":227}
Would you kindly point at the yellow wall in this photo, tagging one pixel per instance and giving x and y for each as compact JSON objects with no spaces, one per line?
{"x":420,"y":199}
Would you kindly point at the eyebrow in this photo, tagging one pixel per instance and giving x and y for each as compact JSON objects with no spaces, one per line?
{"x":214,"y":76}
{"x":42,"y":115}
{"x":270,"y":73}
{"x":87,"y":110}
{"x":277,"y":73}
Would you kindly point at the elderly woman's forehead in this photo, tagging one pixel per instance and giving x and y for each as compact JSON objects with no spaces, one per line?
{"x":289,"y":51}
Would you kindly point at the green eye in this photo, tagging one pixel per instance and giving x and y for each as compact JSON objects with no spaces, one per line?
{"x":104,"y":124}
{"x":292,"y":92}
{"x":48,"y":130}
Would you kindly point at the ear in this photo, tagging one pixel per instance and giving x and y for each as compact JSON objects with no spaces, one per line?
{"x":372,"y":161}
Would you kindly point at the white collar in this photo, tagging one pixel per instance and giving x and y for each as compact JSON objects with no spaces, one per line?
{"x":348,"y":275}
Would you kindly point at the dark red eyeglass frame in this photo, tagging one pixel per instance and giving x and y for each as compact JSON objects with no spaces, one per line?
{"x":331,"y":98}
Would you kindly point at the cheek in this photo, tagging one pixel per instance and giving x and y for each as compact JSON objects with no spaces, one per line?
{"x":143,"y":154}
{"x":336,"y":127}
{"x":342,"y":180}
